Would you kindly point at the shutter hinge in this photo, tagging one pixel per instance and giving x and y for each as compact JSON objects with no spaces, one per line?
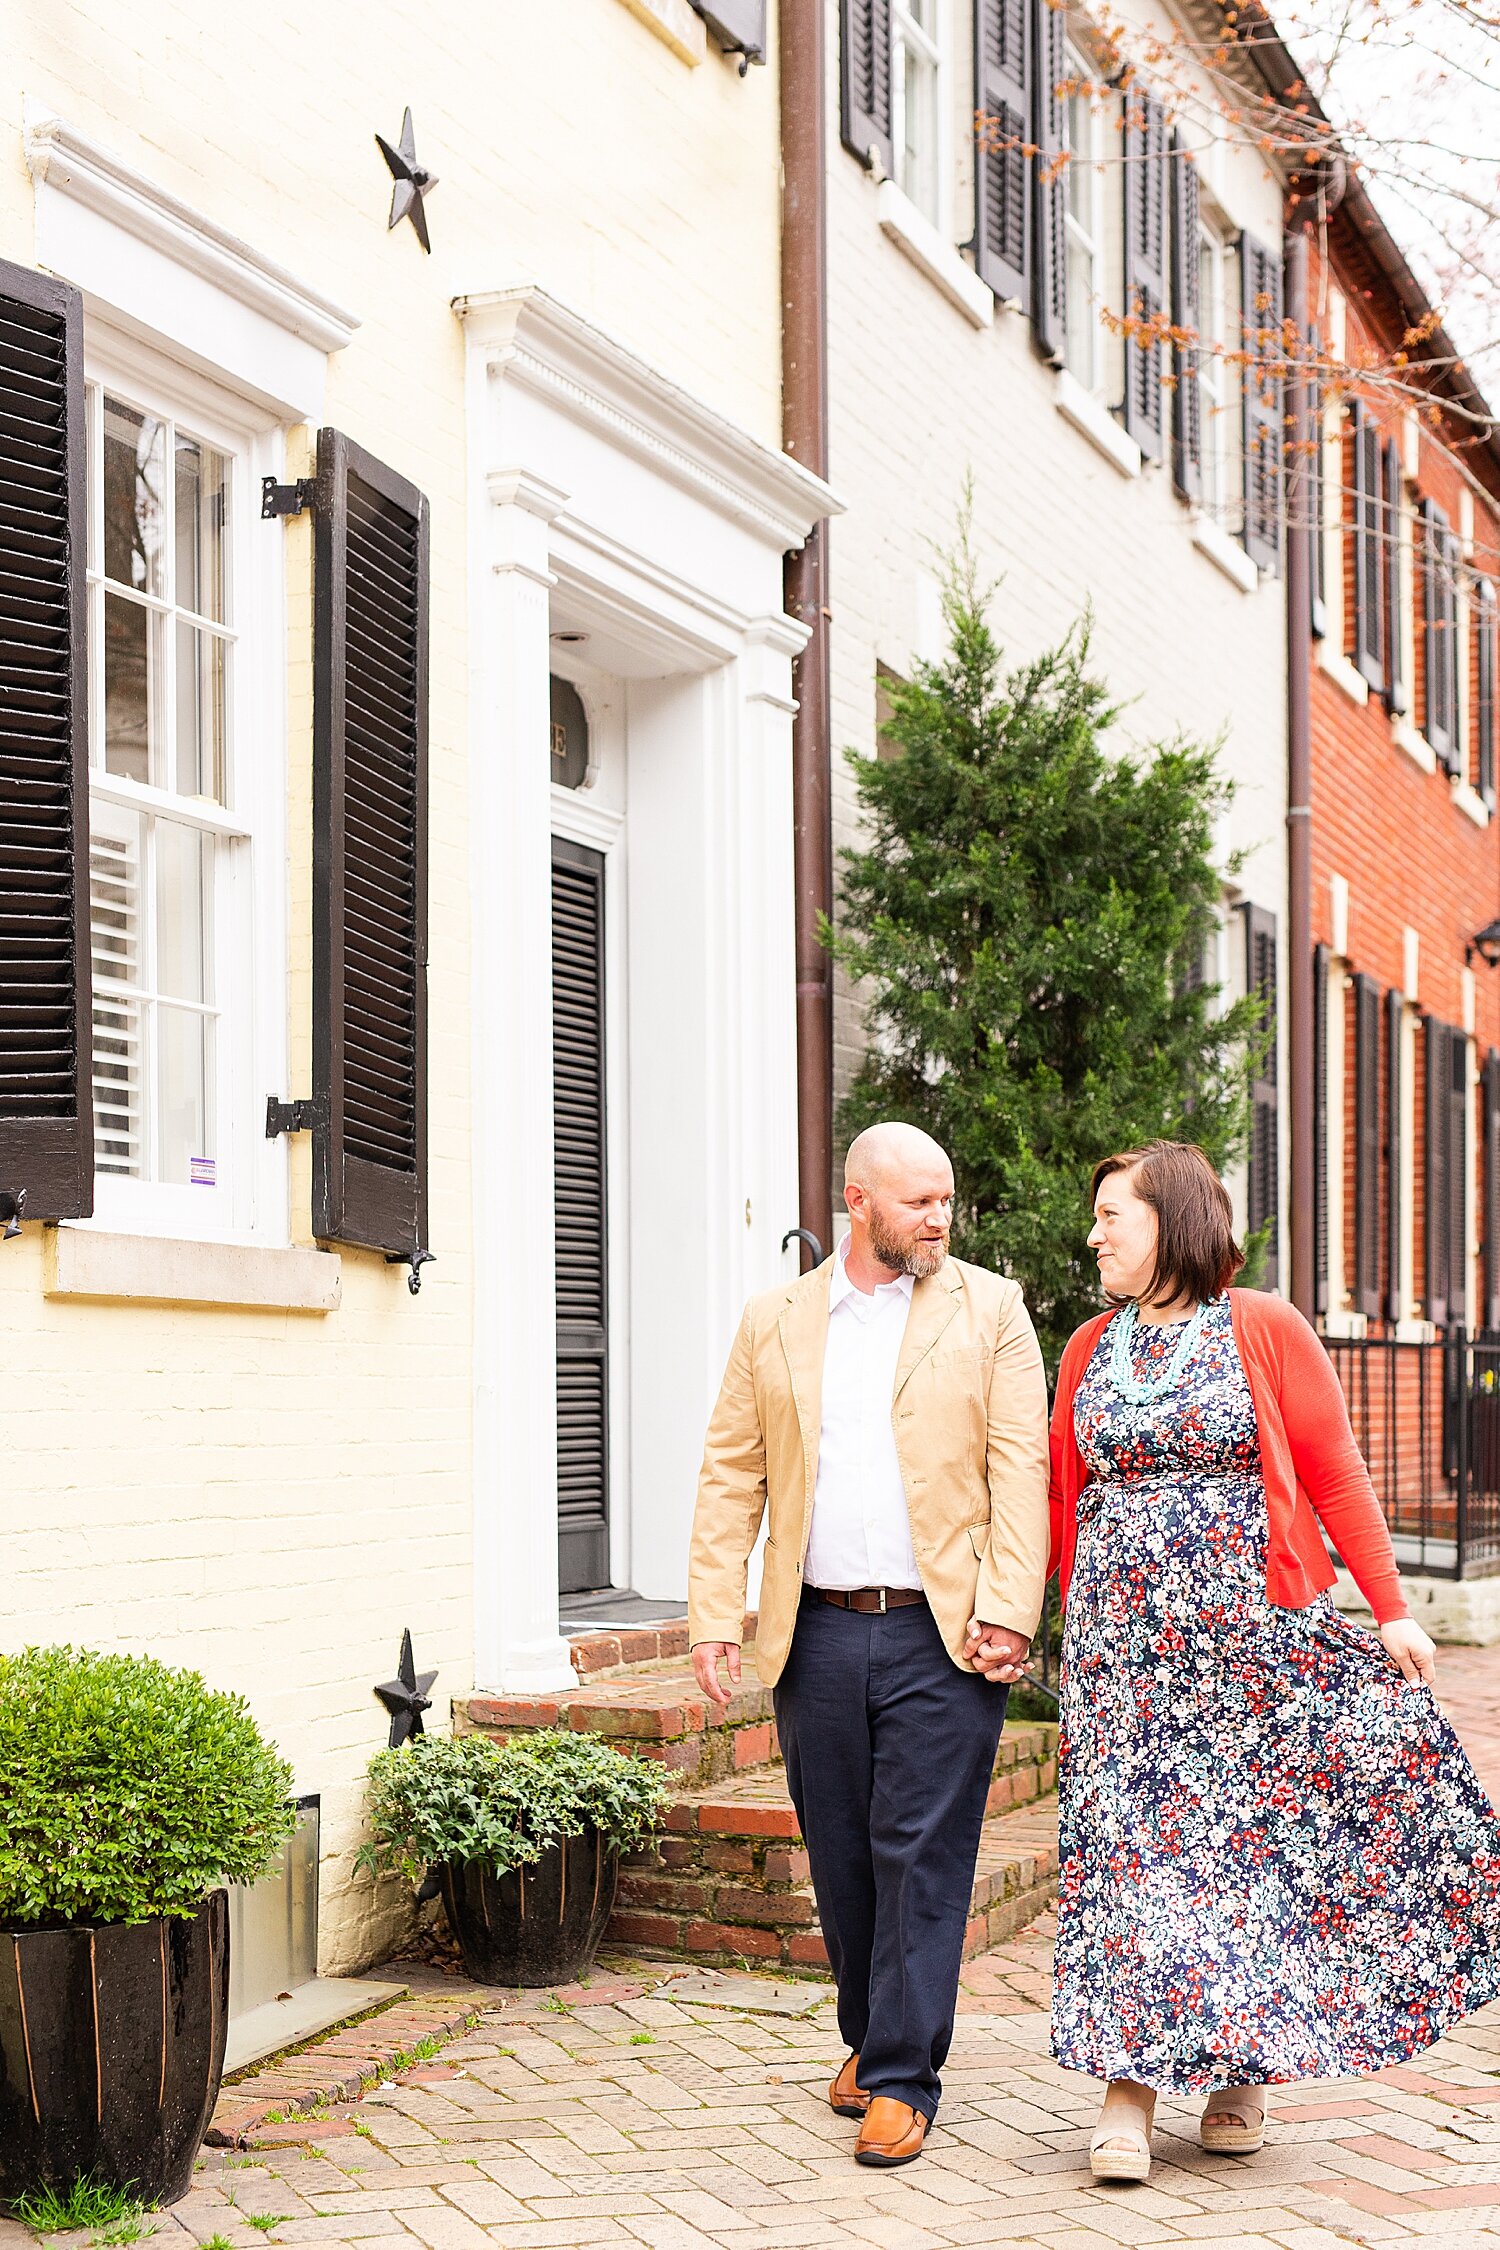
{"x":286,"y":499}
{"x":304,"y":1116}
{"x":416,"y":1259}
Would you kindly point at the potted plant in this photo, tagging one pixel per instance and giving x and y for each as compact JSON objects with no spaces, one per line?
{"x":130,"y":1793}
{"x":521,"y":1840}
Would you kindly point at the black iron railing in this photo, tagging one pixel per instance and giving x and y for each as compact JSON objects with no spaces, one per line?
{"x":1427,"y":1420}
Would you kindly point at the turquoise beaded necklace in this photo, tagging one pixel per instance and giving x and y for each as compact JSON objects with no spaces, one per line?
{"x":1142,"y":1390}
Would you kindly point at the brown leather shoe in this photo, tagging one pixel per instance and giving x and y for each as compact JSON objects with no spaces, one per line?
{"x":845,"y":2097}
{"x":892,"y":2133}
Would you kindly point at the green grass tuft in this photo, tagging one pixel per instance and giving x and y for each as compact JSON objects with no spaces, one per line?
{"x":264,"y":2221}
{"x":87,"y":2203}
{"x":642,"y":2039}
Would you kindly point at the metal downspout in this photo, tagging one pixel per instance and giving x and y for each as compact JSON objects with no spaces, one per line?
{"x":1299,"y":658}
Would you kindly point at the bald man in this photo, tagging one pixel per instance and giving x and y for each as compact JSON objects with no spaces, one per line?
{"x":888,"y":1414}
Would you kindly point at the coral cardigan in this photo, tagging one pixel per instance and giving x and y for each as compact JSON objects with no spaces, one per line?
{"x":1307,"y":1455}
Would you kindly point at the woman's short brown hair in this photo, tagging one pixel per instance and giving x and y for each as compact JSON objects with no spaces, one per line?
{"x":1196,"y":1253}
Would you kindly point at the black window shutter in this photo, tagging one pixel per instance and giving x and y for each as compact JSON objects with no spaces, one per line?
{"x":1395,"y":1044}
{"x":370,"y":598}
{"x":46,"y":1121}
{"x":1458,"y":1178}
{"x":1369,"y":579}
{"x":1436,"y":1042}
{"x":1145,"y":156}
{"x":865,"y":80}
{"x":1005,"y":34}
{"x":1260,"y":391}
{"x":738,"y":27}
{"x":580,"y":1188}
{"x":1312,"y":485}
{"x":1320,"y":1128}
{"x":1264,"y":1180}
{"x":1492,"y":1190}
{"x":1438,"y":616}
{"x":1049,"y":267}
{"x":1187,"y":313}
{"x":1395,"y":593}
{"x":1367,"y":1128}
{"x":1484,"y":686}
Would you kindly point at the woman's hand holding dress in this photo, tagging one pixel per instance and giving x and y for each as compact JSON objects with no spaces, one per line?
{"x":1409,"y":1648}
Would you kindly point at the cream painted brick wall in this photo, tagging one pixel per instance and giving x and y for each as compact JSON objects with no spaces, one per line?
{"x":920,"y":400}
{"x":273,"y":1497}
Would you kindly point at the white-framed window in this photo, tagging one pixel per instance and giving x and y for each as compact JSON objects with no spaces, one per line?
{"x":186,"y":792}
{"x":917,"y":39}
{"x":1085,"y":220}
{"x":1218,"y":382}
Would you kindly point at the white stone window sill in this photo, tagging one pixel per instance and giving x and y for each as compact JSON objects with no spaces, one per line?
{"x":1343,"y":1325}
{"x":1342,"y":673}
{"x":1468,"y":800}
{"x":1213,"y":540}
{"x":1095,"y":422}
{"x":919,"y":238}
{"x":1416,"y":746}
{"x":675,"y":25}
{"x":85,"y":1261}
{"x":1415,"y":1332}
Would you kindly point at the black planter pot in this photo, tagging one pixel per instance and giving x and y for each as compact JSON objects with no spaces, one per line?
{"x":111,"y":2051}
{"x":539,"y":1924}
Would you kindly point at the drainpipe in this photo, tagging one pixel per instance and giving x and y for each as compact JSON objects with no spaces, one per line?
{"x":1299,"y":658}
{"x":804,"y":420}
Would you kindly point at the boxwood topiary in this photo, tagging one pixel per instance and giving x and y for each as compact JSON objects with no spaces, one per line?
{"x":127,"y":1790}
{"x":467,"y":1798}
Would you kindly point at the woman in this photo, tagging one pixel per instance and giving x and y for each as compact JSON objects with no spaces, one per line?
{"x":1276,"y":1860}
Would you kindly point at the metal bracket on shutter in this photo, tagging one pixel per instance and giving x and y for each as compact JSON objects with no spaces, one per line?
{"x":416,"y":1259}
{"x":286,"y":499}
{"x":305,"y":1116}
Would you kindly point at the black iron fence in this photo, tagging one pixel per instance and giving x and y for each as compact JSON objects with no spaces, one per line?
{"x":1427,"y":1418}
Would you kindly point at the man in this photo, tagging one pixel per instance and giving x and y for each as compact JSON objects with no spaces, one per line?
{"x":891,"y":1413}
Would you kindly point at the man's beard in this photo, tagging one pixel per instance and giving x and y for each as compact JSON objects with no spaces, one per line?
{"x":903,"y":1253}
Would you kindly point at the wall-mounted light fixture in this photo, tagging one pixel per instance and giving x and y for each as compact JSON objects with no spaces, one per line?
{"x":12,"y":1204}
{"x":1486,"y":943}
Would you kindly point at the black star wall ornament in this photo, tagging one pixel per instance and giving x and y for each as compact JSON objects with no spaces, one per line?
{"x":413,"y":181}
{"x":406,"y":1696}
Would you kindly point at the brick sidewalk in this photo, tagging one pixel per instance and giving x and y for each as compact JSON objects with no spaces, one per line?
{"x":633,"y":2116}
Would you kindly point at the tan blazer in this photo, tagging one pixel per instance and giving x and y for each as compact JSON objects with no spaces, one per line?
{"x":970,"y":1417}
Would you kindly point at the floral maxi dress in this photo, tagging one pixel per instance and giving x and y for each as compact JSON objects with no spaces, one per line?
{"x":1277,"y":1862}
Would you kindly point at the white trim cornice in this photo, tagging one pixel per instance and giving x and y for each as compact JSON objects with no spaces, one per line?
{"x":529,"y":338}
{"x":67,"y":162}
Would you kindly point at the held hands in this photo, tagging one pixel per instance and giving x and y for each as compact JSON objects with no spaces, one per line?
{"x":1409,"y":1648}
{"x":707,"y":1656}
{"x":996,"y":1652}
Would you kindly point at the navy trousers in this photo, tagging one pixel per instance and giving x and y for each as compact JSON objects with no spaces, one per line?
{"x":889,"y":1750}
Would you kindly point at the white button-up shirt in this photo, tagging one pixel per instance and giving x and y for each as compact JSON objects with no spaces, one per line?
{"x":861,"y":1534}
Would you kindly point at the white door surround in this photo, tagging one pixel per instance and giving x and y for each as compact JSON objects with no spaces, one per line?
{"x":604,"y":498}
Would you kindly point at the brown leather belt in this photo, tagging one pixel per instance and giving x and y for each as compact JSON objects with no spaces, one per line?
{"x":870,"y":1601}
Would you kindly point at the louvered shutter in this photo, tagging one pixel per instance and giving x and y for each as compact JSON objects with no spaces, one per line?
{"x":1312,"y":485}
{"x":865,"y":80}
{"x":581,"y":1201}
{"x":1395,"y":1046}
{"x":1395,"y":591}
{"x":738,"y":27}
{"x":370,"y":541}
{"x":1492,"y":1190}
{"x":1437,"y":1065}
{"x":1458,"y":1178}
{"x":1320,"y":1128}
{"x":1439,"y":616}
{"x":1484,"y":687}
{"x":1004,"y":59}
{"x":1369,"y":579}
{"x":1260,"y":392}
{"x":1049,"y":270}
{"x":1145,"y":153}
{"x":1187,"y":314}
{"x":46,"y":1125}
{"x":1264,"y":1198}
{"x":1367,"y":1123}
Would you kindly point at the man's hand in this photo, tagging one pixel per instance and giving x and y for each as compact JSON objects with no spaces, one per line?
{"x":707,"y":1656}
{"x":996,"y":1652}
{"x":1408,"y":1646}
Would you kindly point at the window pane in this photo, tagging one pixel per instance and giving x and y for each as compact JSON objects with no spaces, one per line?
{"x":183,"y":873}
{"x":201,"y":661}
{"x":183,"y":1127}
{"x":919,"y":131}
{"x":132,"y":687}
{"x":1080,"y":176}
{"x":201,"y":496}
{"x":133,"y":522}
{"x":115,"y":923}
{"x":1083,"y":315}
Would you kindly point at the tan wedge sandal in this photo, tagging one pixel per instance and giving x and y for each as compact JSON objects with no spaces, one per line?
{"x":1120,"y":2148}
{"x":1234,"y":2121}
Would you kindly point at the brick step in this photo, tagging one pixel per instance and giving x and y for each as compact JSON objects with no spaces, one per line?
{"x":729,"y":1880}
